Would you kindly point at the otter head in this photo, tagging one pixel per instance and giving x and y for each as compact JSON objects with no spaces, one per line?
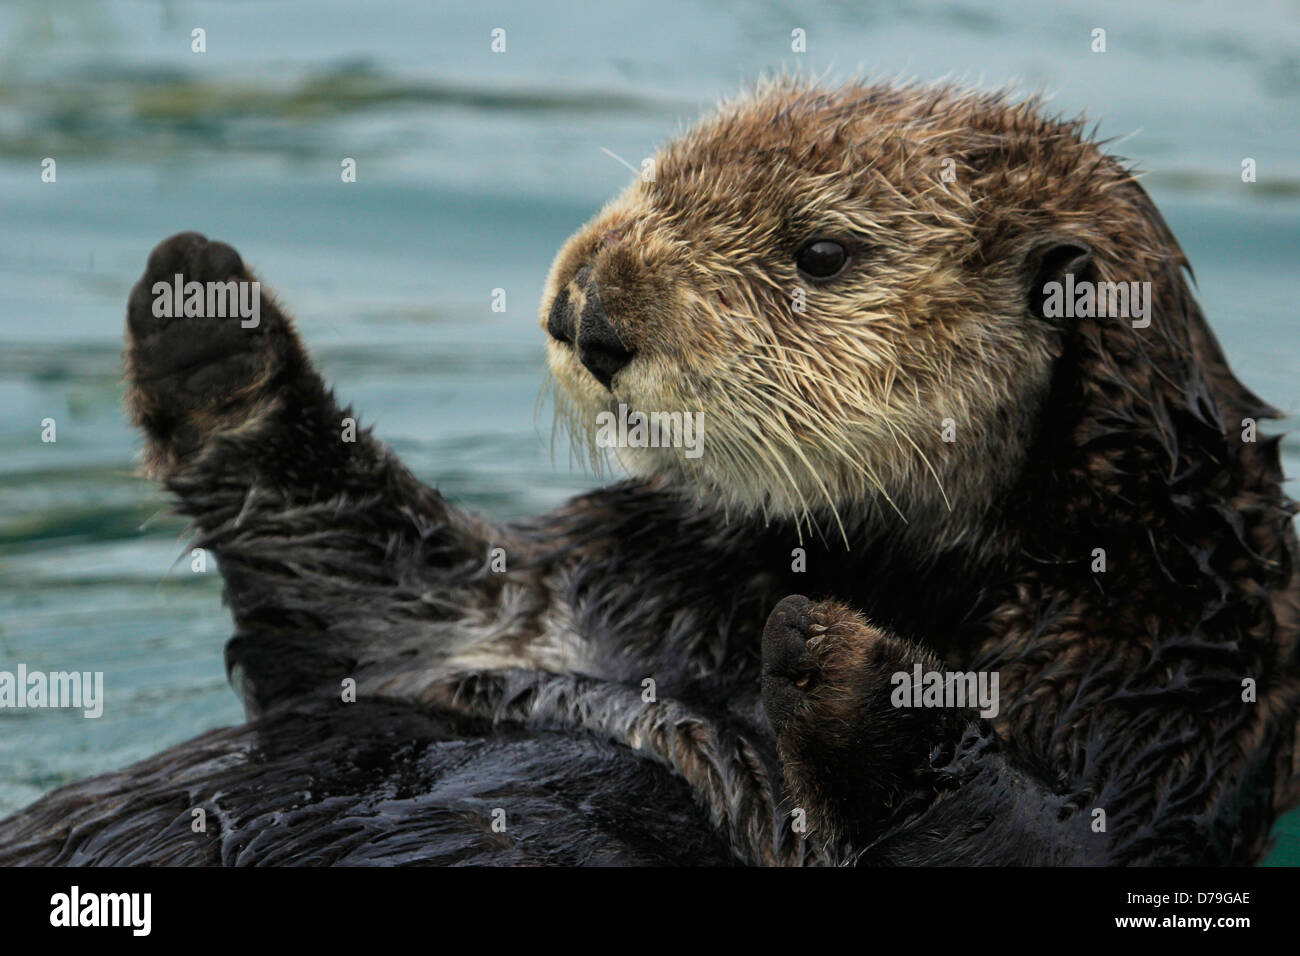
{"x":847,"y":287}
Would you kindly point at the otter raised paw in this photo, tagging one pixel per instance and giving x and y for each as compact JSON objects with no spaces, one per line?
{"x":285,"y":489}
{"x":224,"y":390}
{"x":205,"y":347}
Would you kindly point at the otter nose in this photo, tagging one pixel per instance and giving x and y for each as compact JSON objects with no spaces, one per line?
{"x":560,"y":322}
{"x":599,"y":347}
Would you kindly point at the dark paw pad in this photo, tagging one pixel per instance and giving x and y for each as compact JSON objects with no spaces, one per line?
{"x":187,"y":352}
{"x":791,"y":665}
{"x":193,"y":258}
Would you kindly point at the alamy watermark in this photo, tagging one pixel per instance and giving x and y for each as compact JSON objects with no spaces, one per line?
{"x":653,"y":430}
{"x":209,"y":300}
{"x":77,"y":690}
{"x":946,"y":689}
{"x":133,"y":911}
{"x":1098,"y":300}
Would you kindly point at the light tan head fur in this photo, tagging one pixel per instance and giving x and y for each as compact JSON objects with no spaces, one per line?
{"x":836,"y":415}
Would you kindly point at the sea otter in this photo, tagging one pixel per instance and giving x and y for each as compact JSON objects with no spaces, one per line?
{"x":851,"y":287}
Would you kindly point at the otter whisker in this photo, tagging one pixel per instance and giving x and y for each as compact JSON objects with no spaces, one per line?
{"x":794,"y":485}
{"x":795,"y":447}
{"x":614,"y":155}
{"x":925,"y":458}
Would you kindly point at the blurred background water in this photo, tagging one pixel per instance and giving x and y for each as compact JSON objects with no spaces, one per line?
{"x":472,"y":167}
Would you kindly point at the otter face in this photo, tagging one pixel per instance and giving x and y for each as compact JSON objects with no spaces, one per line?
{"x":856,"y":331}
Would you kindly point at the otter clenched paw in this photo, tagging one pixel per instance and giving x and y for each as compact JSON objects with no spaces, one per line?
{"x":816,"y":657}
{"x":851,"y":758}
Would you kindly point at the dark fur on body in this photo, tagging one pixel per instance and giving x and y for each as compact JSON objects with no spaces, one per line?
{"x":522,"y":690}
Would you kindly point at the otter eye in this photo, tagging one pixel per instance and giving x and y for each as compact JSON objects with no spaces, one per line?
{"x":822,"y":258}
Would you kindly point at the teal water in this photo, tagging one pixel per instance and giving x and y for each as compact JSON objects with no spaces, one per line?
{"x":472,"y":169}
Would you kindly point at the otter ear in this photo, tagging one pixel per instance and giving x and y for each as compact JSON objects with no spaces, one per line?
{"x":1050,"y":262}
